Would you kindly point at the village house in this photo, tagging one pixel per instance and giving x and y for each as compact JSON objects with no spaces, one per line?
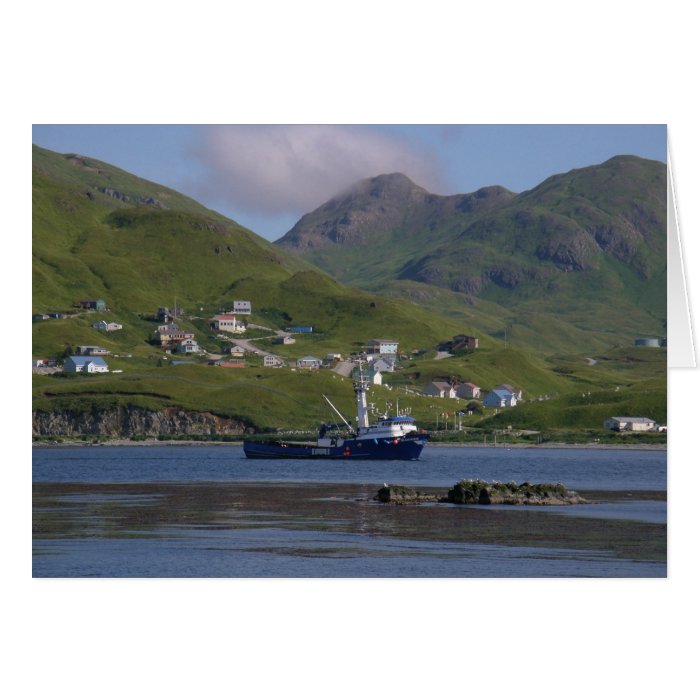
{"x":82,"y":363}
{"x":285,"y":340}
{"x":460,"y":342}
{"x":91,"y":350}
{"x":382,"y":346}
{"x":171,"y":333}
{"x":499,"y":398}
{"x":96,"y":304}
{"x":309,"y":362}
{"x":630,"y":423}
{"x":468,"y":391}
{"x":45,"y":366}
{"x":235,"y":350}
{"x":242,"y":307}
{"x":383,"y":365}
{"x":189,"y":345}
{"x":107,"y":326}
{"x":518,"y":393}
{"x":441,"y":389}
{"x":228,"y":323}
{"x":166,"y":314}
{"x":44,"y":362}
{"x":465,"y":342}
{"x":272,"y":361}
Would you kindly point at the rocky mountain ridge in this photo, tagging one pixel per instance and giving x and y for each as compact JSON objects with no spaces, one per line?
{"x":587,"y":220}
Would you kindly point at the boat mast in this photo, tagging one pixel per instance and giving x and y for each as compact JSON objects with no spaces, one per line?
{"x":361,"y":393}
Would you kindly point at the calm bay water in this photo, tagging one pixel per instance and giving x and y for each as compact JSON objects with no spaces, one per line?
{"x":438,"y":466}
{"x":207,"y":511}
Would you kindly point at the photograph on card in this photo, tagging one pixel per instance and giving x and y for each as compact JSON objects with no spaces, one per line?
{"x":349,"y":351}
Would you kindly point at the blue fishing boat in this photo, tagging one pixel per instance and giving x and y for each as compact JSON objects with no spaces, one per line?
{"x":392,"y":437}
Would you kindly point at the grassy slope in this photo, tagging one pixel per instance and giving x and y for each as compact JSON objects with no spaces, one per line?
{"x":269,"y":399}
{"x":591,"y":309}
{"x":139,"y":258}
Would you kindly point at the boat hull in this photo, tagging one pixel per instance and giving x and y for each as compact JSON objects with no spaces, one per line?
{"x":362,"y":448}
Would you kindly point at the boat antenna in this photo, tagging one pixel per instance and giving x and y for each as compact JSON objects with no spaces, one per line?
{"x":342,"y":417}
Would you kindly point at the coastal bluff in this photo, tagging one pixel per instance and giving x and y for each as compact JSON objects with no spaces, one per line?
{"x":477,"y":492}
{"x":127,"y":421}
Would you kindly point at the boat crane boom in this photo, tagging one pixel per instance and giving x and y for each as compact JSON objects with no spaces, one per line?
{"x":342,"y":417}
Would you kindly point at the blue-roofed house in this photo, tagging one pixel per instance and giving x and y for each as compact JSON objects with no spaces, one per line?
{"x":499,"y":398}
{"x":85,"y":363}
{"x":516,"y":391}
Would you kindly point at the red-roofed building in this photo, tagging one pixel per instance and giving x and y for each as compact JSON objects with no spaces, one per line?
{"x":468,"y":391}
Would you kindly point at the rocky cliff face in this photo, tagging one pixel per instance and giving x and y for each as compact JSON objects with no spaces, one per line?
{"x":124,"y":421}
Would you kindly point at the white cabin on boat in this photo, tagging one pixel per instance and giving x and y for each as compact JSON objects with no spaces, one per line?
{"x":394,"y":427}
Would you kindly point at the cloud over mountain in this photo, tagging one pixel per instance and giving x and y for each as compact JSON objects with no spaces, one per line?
{"x":280,"y":169}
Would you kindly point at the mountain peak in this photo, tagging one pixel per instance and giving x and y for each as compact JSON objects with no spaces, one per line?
{"x":384,"y":186}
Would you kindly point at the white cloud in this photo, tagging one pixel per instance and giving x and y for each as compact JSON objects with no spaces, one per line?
{"x":292,"y":169}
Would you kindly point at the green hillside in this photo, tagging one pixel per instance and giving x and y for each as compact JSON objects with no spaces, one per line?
{"x":99,"y":232}
{"x":578,"y":262}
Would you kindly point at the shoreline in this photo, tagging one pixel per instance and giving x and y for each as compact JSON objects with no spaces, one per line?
{"x":553,"y":445}
{"x":126,"y":442}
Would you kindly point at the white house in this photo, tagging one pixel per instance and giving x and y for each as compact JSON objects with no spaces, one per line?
{"x":228,"y":323}
{"x":468,"y":391}
{"x":372,"y":376}
{"x":309,"y":362}
{"x":631,"y":423}
{"x":107,"y":326}
{"x":382,"y":346}
{"x":272,"y":361}
{"x":499,"y":398}
{"x":236,"y":350}
{"x":441,"y":389}
{"x":188,"y":345}
{"x":84,"y":363}
{"x":286,"y":340}
{"x":242,"y":307}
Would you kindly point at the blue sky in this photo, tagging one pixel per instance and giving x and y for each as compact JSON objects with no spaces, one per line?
{"x":267,"y":177}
